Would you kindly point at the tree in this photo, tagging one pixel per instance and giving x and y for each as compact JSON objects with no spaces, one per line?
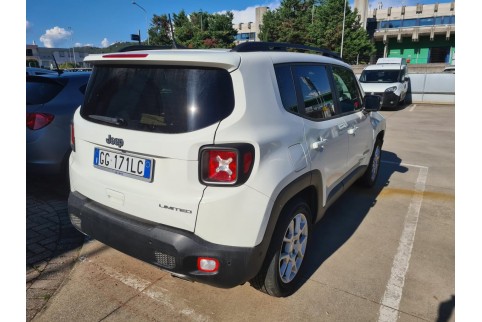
{"x":220,"y":30}
{"x":197,"y":30}
{"x":289,"y":23}
{"x":184,"y":29}
{"x":318,"y":24}
{"x":327,"y":30}
{"x":159,"y":33}
{"x":67,"y":65}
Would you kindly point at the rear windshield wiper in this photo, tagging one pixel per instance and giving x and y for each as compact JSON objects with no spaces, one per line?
{"x":112,"y":120}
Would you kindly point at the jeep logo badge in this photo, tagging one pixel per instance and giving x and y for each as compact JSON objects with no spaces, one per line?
{"x":114,"y":141}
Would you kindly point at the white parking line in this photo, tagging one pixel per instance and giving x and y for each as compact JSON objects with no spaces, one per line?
{"x":393,"y":292}
{"x":413,"y":107}
{"x":157,"y":294}
{"x":405,"y":164}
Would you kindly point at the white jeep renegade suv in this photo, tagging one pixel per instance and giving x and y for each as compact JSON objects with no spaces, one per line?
{"x":216,"y":164}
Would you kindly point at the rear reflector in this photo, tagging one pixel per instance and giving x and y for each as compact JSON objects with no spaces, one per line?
{"x":247,"y":162}
{"x":72,"y":136}
{"x":36,"y":121}
{"x":207,"y":264}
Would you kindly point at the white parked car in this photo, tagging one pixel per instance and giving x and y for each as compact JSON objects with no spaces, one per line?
{"x":216,"y":164}
{"x":387,"y":79}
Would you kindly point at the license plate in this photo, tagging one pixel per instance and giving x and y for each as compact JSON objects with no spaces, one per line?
{"x":123,"y":164}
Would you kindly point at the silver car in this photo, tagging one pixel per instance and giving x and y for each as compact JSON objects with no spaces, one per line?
{"x":51,"y":103}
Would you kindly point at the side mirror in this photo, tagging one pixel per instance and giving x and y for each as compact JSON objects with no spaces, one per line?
{"x":373,"y":103}
{"x":406,"y":79}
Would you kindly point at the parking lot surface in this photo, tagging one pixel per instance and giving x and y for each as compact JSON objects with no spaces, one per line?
{"x":385,"y":254}
{"x":53,"y":244}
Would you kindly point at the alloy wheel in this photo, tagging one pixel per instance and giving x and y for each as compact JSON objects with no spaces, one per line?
{"x":293,"y":248}
{"x":375,"y":163}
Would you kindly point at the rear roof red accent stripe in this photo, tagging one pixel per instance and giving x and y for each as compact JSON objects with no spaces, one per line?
{"x":125,"y":56}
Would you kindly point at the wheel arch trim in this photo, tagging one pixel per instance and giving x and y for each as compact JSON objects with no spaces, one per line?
{"x":309,"y":185}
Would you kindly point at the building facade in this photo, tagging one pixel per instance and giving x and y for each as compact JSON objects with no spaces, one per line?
{"x":421,"y":34}
{"x":44,"y":57}
{"x":32,"y":56}
{"x":249,"y":31}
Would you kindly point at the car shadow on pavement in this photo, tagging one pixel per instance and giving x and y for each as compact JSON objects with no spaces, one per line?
{"x":398,"y":107}
{"x":344,"y":217}
{"x":446,"y":309}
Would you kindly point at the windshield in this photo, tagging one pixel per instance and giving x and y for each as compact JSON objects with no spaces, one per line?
{"x":163,"y":99}
{"x":380,"y":76}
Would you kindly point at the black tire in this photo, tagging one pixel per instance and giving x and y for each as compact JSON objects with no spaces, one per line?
{"x":402,"y":102}
{"x":278,"y":277}
{"x":371,"y":174}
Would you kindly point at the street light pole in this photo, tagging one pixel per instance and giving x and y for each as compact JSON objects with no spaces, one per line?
{"x":73,"y":52}
{"x":147,"y":25}
{"x":312,"y":13}
{"x":72,"y":44}
{"x":343,"y":30}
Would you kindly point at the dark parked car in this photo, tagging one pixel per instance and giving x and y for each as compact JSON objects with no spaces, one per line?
{"x":51,"y":103}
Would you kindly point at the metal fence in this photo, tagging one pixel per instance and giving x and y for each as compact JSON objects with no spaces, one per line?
{"x":432,"y":88}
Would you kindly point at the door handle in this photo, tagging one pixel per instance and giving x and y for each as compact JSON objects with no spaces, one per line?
{"x":352,"y":130}
{"x":318,"y":144}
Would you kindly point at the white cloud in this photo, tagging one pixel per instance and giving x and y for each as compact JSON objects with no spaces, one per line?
{"x":29,"y":25}
{"x":249,"y":14}
{"x":104,"y":43}
{"x":54,"y":36}
{"x":79,"y":44}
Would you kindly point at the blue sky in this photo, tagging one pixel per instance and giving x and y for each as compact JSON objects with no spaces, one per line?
{"x":67,"y":23}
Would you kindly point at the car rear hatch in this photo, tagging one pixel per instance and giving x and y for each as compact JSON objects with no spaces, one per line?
{"x":40,"y":91}
{"x":139,"y":131}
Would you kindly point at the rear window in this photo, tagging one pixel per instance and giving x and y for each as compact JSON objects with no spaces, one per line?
{"x":41,"y":90}
{"x":161,"y":99}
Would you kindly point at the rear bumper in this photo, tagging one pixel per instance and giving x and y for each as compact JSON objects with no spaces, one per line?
{"x":172,"y":249}
{"x":46,"y":151}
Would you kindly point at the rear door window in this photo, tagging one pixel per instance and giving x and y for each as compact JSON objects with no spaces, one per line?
{"x":163,"y":99}
{"x":286,"y":88}
{"x":316,"y":91}
{"x":347,"y":90}
{"x":307,"y":90}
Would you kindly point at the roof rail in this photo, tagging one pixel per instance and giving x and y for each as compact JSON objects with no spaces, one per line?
{"x":278,"y":46}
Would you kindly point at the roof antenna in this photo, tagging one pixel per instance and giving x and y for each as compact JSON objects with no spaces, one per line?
{"x":56,"y":65}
